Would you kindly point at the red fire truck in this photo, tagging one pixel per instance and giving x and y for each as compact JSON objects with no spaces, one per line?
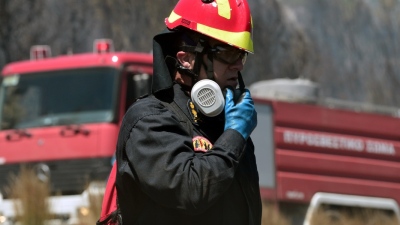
{"x":61,"y":116}
{"x":323,"y":153}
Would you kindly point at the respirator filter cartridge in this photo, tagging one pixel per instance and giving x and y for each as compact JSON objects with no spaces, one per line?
{"x":208,"y":98}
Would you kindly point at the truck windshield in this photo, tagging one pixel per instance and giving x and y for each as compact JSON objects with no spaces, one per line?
{"x":58,"y":98}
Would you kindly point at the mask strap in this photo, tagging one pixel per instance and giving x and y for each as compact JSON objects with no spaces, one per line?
{"x":199,"y":51}
{"x":209,"y":67}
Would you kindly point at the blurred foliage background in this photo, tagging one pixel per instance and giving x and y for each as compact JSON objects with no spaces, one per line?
{"x":351,"y":48}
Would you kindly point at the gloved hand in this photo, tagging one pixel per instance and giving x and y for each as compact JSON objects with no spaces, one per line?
{"x":240,"y":116}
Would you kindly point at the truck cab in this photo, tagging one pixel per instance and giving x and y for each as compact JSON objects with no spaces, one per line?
{"x":61,"y":117}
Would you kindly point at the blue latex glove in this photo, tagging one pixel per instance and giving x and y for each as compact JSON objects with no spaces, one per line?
{"x":241,"y":116}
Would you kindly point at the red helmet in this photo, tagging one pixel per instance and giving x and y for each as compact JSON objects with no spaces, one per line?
{"x":228,"y":21}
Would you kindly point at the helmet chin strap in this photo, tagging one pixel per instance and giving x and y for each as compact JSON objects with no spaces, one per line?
{"x":209,"y":67}
{"x":200,"y":51}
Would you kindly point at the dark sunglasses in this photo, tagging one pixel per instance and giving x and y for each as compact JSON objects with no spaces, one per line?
{"x":228,"y":54}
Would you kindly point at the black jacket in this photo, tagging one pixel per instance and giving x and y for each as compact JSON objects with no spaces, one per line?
{"x":162,"y":180}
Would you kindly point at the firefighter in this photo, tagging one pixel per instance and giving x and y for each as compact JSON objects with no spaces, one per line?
{"x":184,"y":153}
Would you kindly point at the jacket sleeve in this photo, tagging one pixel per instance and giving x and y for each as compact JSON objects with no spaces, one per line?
{"x":160,"y":153}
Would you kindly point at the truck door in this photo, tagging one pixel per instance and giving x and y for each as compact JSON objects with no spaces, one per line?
{"x":136,"y":82}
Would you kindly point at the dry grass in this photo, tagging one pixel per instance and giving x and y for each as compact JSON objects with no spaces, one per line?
{"x":33,"y":208}
{"x":360,"y":217}
{"x":31,"y":194}
{"x":95,"y":201}
{"x":94,"y":210}
{"x":31,"y":200}
{"x":272,"y":216}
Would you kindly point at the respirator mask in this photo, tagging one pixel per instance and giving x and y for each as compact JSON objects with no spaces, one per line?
{"x":208,"y":97}
{"x":206,"y":94}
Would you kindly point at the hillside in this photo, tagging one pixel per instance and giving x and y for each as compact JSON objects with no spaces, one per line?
{"x":351,"y":48}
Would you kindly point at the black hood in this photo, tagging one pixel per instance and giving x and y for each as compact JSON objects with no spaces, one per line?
{"x":164,"y":44}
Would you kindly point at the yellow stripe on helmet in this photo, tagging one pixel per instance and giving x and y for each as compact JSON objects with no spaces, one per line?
{"x":173,"y":17}
{"x":239,"y":39}
{"x":224,"y":8}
